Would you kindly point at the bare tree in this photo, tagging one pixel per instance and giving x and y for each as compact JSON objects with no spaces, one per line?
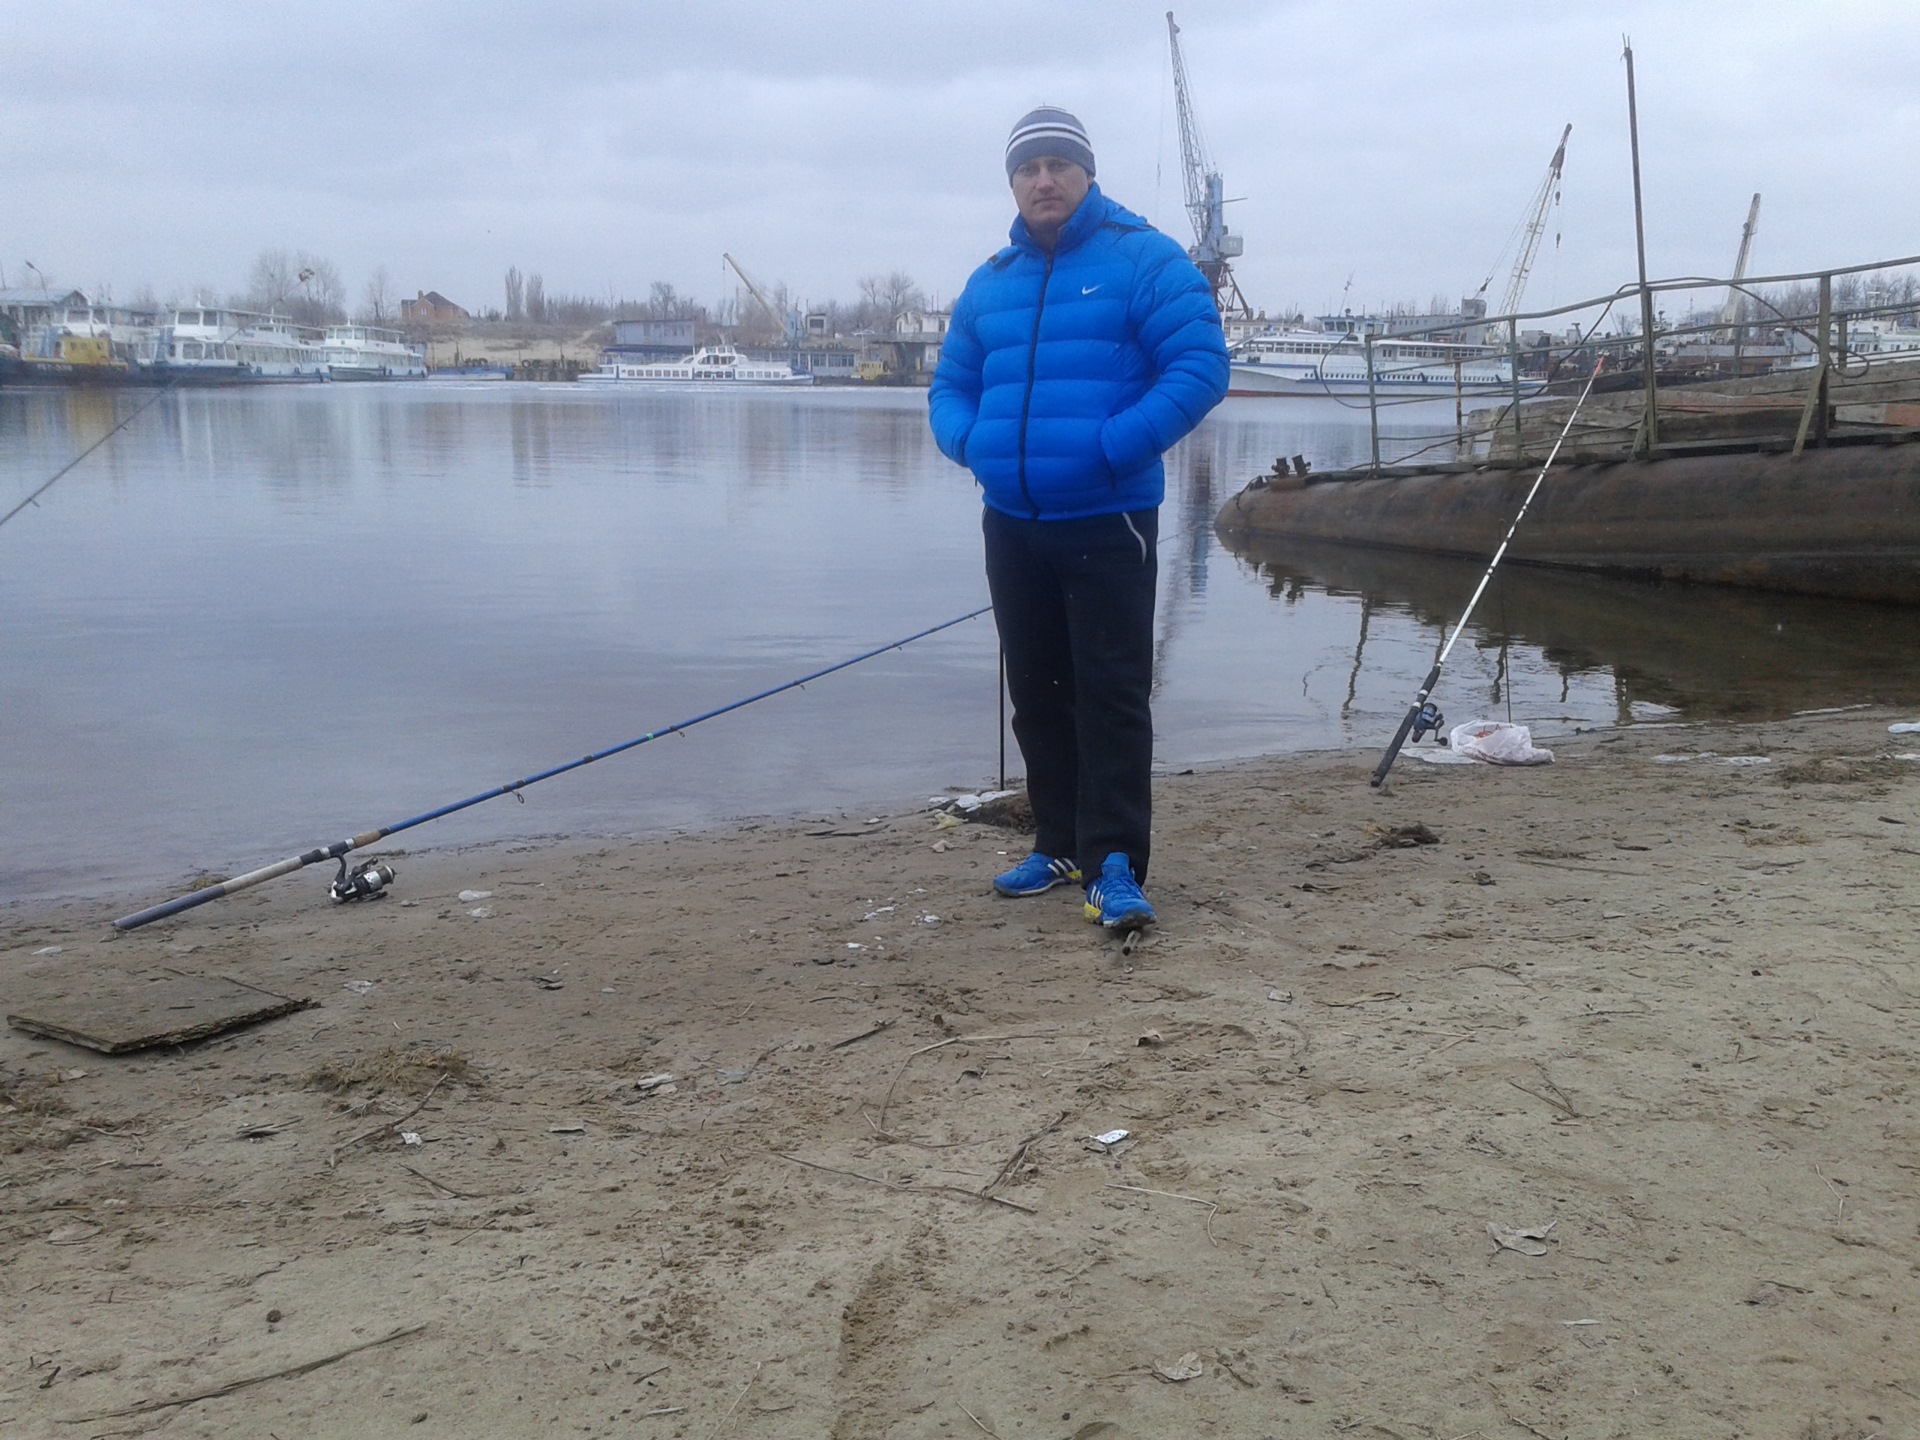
{"x":376,"y":301}
{"x":516,"y":294}
{"x":902,"y":295}
{"x":322,"y":296}
{"x":536,"y":299}
{"x":885,"y":298}
{"x":271,"y":280}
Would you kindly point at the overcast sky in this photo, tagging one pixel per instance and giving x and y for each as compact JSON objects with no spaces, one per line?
{"x":605,"y":146}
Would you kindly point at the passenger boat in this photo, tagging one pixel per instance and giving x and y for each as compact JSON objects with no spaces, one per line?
{"x":710,"y":365}
{"x":222,"y":346}
{"x":1333,"y":361}
{"x":367,"y":352}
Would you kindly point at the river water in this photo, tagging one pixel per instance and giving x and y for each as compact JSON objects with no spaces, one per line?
{"x":256,"y":621}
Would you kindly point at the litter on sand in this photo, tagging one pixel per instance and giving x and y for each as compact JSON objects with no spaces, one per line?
{"x":1497,"y":743}
{"x":359,"y":987}
{"x":467,"y":897}
{"x":1108,"y":1140}
{"x":1905,"y":727}
{"x":1187,"y":1367}
{"x":1527,"y":1240}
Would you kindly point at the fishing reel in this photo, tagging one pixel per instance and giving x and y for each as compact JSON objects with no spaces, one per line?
{"x":1429,"y":718}
{"x":366,"y":881}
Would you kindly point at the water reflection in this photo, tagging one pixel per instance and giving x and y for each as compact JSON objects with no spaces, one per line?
{"x":257,"y":620}
{"x":1706,"y":651}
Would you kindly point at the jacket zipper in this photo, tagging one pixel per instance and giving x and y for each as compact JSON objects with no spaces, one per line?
{"x":1026,"y":404}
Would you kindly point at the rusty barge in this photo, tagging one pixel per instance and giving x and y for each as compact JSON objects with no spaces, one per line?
{"x":1767,"y":484}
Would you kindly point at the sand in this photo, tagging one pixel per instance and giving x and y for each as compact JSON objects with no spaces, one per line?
{"x":1662,"y":1013}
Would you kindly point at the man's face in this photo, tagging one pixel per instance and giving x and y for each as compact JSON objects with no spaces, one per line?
{"x":1048,"y":189}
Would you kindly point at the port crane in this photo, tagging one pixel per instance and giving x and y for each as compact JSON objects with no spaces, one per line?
{"x":1536,"y":225}
{"x":1730,"y":312}
{"x":1214,"y":246}
{"x":792,"y":325}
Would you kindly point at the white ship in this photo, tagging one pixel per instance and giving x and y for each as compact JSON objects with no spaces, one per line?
{"x":367,"y":352}
{"x":1334,"y":362}
{"x":711,"y":365}
{"x":213,"y":346}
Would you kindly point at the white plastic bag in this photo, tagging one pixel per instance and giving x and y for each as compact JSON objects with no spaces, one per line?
{"x":1497,"y":743}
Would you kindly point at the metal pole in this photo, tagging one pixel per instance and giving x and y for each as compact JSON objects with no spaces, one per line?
{"x":1459,"y":408}
{"x":1513,"y":365}
{"x":1649,"y":425}
{"x":1373,"y":406}
{"x":1003,"y":717}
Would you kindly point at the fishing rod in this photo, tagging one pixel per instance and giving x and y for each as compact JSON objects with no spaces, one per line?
{"x":1420,"y":714}
{"x":370,"y":879}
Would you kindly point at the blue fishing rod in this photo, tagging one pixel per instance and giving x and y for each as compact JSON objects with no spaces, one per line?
{"x":369,"y":880}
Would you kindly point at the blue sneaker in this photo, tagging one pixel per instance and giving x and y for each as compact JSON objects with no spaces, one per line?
{"x":1036,"y":875}
{"x":1115,"y":899}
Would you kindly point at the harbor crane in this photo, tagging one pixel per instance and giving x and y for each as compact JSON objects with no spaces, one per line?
{"x":1213,"y":245}
{"x":1730,"y":312}
{"x":1536,"y":225}
{"x":791,"y":323}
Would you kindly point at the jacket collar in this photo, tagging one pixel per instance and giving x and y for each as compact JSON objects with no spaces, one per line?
{"x":1082,"y":223}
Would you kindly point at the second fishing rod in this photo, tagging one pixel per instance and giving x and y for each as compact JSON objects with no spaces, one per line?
{"x":1419,"y":714}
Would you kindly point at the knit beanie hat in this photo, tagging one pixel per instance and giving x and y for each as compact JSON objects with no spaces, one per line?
{"x":1048,"y":131}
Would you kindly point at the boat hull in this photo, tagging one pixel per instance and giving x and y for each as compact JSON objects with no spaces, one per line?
{"x":1245,"y":379}
{"x":1843,"y":521}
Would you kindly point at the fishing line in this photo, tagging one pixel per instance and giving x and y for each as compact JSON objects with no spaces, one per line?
{"x":1420,"y":713}
{"x":144,"y":407}
{"x":340,"y":848}
{"x":167,"y":387}
{"x":368,"y":880}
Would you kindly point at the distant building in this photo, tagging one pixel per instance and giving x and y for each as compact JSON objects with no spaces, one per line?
{"x":432,"y":307}
{"x":916,"y":341}
{"x":677,"y":334}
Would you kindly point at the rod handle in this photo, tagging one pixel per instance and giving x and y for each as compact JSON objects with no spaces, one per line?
{"x":170,"y":907}
{"x":1393,"y":750}
{"x":1406,"y":728}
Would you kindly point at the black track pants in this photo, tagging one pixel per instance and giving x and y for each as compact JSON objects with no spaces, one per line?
{"x":1074,"y":603}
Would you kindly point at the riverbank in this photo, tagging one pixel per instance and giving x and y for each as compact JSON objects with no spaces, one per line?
{"x":1660,"y":1010}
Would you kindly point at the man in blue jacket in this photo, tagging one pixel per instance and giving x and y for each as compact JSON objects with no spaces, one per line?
{"x":1076,"y":356}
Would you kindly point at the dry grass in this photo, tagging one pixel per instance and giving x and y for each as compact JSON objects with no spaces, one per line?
{"x":411,"y":1069}
{"x":1845,"y":770}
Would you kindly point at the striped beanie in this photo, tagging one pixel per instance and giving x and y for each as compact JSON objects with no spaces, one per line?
{"x":1048,"y":131}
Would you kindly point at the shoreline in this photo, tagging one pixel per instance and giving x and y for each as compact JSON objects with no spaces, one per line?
{"x":1663,"y":1011}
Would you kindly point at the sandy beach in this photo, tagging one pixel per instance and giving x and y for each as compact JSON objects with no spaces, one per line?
{"x":1566,"y":1101}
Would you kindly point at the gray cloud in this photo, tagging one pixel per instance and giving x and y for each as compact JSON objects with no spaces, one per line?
{"x":606,"y":146}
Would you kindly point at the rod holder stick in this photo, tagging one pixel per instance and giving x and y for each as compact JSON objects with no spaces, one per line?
{"x":341,"y":847}
{"x":1433,"y":675}
{"x":1373,"y":407}
{"x":1650,"y":420}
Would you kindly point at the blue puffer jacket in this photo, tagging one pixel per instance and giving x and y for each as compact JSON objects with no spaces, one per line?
{"x":1065,"y":376}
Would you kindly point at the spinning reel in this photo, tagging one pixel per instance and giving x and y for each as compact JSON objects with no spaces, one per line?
{"x":366,"y":881}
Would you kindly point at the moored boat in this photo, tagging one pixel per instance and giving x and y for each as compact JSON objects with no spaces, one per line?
{"x":214,"y":346}
{"x":368,"y":352}
{"x":710,"y":365}
{"x":1328,"y":362}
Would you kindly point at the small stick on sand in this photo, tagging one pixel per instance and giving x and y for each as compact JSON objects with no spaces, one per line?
{"x":340,"y":1150}
{"x":907,"y":1189}
{"x":736,"y":1400}
{"x":1842,"y":1214}
{"x":214,"y":1392}
{"x":976,"y":1420}
{"x":955,"y":1040}
{"x":1213,"y":1206}
{"x":1020,"y":1151}
{"x":863,"y":1035}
